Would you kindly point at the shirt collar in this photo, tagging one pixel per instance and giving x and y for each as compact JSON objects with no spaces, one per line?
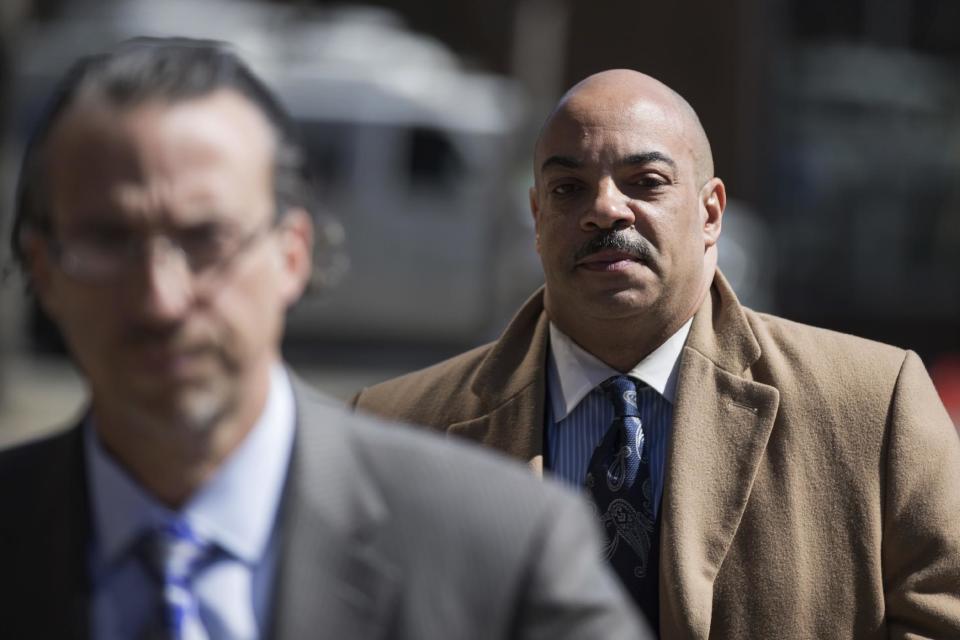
{"x":573,"y":372}
{"x":235,"y":509}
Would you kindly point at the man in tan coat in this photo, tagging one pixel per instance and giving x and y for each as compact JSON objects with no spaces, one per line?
{"x":805,"y":483}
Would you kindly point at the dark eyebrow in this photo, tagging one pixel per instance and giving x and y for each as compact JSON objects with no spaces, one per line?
{"x":650,"y":157}
{"x":561,"y":161}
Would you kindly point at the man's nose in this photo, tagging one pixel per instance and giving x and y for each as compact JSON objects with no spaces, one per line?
{"x":609,"y":209}
{"x":167,"y":282}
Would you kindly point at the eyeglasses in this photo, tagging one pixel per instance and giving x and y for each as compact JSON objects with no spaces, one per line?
{"x":106,"y":256}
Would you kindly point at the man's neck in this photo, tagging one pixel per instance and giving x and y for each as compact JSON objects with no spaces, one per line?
{"x":619,"y":349}
{"x":622,"y":342}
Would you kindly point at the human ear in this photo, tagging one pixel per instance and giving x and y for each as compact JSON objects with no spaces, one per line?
{"x":713,"y":200}
{"x":296,"y":253}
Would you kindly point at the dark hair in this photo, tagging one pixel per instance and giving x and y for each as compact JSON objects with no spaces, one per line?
{"x":169,"y":69}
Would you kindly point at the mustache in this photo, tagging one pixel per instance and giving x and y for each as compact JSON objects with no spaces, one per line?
{"x":621,"y":240}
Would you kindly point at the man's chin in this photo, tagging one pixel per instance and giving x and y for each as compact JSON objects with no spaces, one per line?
{"x":591,"y":311}
{"x":623,"y":299}
{"x":186,"y":408}
{"x":622,"y":305}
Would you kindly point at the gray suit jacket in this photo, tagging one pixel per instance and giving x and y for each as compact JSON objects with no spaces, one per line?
{"x":386,"y":533}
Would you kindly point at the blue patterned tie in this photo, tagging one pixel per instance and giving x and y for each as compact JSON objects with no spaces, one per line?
{"x":619,"y":481}
{"x":175,"y":553}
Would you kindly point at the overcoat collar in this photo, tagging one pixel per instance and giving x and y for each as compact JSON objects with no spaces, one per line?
{"x":510,"y":386}
{"x":510,"y":383}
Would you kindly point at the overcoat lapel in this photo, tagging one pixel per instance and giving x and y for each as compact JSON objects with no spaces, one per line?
{"x":333,"y":580}
{"x":511,"y":384}
{"x":721,"y":424}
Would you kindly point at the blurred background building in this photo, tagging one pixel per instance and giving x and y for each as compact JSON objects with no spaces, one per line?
{"x":835,"y":124}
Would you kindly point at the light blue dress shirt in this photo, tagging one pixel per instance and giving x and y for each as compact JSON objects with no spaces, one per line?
{"x":578,"y":414}
{"x":236,"y":510}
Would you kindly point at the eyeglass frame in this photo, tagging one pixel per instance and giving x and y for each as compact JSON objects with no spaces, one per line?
{"x":139,"y":250}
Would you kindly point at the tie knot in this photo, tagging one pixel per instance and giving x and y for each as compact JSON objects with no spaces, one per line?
{"x":174,"y":551}
{"x":622,"y":393}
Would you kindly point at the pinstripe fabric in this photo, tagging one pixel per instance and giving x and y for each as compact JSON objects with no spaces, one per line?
{"x":572,"y":441}
{"x":578,"y":413}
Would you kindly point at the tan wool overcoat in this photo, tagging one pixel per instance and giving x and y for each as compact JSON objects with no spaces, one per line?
{"x":812,"y":487}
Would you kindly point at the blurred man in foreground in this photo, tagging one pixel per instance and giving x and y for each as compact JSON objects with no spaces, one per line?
{"x":162,"y":221}
{"x":756,"y":478}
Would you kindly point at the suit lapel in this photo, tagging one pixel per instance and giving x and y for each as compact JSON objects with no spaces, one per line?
{"x":721,"y":425}
{"x":333,"y":579}
{"x":511,"y":384}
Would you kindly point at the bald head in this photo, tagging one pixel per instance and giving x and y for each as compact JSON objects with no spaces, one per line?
{"x":622,"y":93}
{"x":627,"y":213}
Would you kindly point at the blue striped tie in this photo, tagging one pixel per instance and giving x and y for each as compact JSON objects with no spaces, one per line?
{"x":175,"y":554}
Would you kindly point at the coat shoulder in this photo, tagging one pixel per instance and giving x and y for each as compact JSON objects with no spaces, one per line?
{"x":27,"y":464}
{"x":428,"y":396}
{"x":808,"y":349}
{"x":405,"y":455}
{"x":836,"y":377}
{"x":513,"y":549}
{"x":33,"y":477}
{"x":407,"y":464}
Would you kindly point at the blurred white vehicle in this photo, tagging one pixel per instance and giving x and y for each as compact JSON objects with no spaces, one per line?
{"x":424,"y":234}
